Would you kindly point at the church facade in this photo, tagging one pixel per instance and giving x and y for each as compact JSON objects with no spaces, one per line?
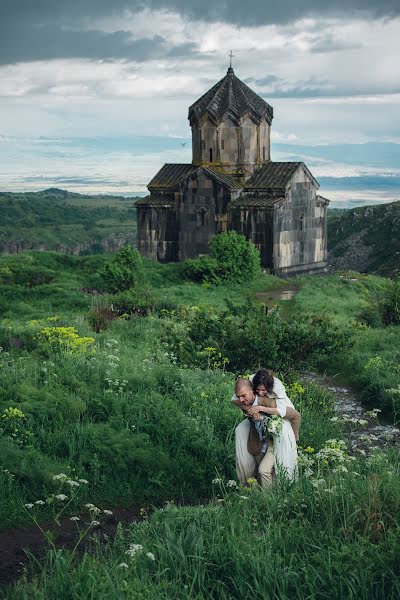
{"x":232,"y":184}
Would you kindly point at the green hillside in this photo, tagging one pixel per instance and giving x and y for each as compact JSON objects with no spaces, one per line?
{"x":365,"y":239}
{"x":68,"y":222}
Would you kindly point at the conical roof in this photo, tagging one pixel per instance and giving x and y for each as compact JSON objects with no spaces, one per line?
{"x":232,"y":96}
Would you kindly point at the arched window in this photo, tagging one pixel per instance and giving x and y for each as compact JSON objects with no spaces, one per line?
{"x":210,"y":154}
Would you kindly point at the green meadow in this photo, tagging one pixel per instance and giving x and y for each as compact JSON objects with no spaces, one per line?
{"x":112,"y":399}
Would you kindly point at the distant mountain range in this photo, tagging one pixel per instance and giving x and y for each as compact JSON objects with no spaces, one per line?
{"x":365,"y":239}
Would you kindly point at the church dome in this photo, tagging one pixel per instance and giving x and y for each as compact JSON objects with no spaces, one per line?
{"x":233,"y":97}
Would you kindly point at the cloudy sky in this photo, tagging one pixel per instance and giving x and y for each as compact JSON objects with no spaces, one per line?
{"x":81,"y":71}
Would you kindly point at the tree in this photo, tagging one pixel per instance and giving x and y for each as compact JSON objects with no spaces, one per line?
{"x":123,"y":271}
{"x":237,"y":257}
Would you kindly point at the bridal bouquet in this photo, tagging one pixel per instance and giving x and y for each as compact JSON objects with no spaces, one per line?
{"x":272,"y":426}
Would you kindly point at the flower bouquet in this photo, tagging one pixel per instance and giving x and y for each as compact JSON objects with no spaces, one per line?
{"x":272,"y":426}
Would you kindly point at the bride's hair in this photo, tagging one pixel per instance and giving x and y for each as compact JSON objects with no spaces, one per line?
{"x":264,"y":377}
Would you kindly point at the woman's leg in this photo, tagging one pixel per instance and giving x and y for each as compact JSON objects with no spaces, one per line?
{"x":245,"y":463}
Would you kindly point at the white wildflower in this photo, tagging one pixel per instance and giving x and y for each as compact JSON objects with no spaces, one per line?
{"x":133,"y":549}
{"x":85,"y":481}
{"x":94,"y":523}
{"x":74,"y":519}
{"x":217,"y":481}
{"x":72,"y":483}
{"x":107,"y":512}
{"x":61,"y":497}
{"x":123,"y":566}
{"x":29,"y":505}
{"x":39,"y":502}
{"x":151,"y":556}
{"x":61,"y":476}
{"x":231,"y":483}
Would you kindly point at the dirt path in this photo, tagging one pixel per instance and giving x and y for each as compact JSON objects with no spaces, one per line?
{"x":15,"y":543}
{"x":348,"y":408}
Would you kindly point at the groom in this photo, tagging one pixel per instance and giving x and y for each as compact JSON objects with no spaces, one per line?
{"x":256,"y":452}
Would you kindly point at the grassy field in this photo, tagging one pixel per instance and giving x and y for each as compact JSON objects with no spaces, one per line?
{"x":117,"y":409}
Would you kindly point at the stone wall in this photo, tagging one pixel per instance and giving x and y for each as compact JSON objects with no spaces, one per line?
{"x":300,"y":228}
{"x":157,"y":232}
{"x":202,"y":213}
{"x":256,"y":224}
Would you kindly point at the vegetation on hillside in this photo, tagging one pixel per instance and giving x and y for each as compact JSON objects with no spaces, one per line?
{"x":137,"y":411}
{"x":59,"y":220}
{"x":365,"y":239}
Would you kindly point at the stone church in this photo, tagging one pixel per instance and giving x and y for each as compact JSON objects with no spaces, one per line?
{"x":233,"y":184}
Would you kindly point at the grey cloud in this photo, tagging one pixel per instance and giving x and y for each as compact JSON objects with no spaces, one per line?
{"x":46,"y":29}
{"x":277,"y":87}
{"x":330,"y":43}
{"x":48,"y":42}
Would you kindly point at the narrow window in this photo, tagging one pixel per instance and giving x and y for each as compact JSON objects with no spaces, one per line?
{"x":202,"y":218}
{"x":222,"y":145}
{"x":210,"y":154}
{"x":301,"y":222}
{"x":264,"y":153}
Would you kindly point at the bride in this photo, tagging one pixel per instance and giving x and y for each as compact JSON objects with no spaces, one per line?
{"x":268,"y":397}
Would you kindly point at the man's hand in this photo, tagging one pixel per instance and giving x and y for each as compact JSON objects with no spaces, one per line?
{"x":253,"y":410}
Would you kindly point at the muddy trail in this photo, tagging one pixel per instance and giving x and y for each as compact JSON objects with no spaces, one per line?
{"x":17,"y":544}
{"x":363,"y":431}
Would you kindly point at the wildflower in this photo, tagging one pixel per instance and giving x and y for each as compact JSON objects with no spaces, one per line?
{"x":89,"y":506}
{"x":94,"y":523}
{"x":231,"y":483}
{"x":151,"y":556}
{"x":61,"y":497}
{"x":72,"y":483}
{"x":123,"y":566}
{"x":217,"y":481}
{"x":251,"y":480}
{"x":29,"y":505}
{"x":133,"y":549}
{"x":309,"y":450}
{"x":61,"y":476}
{"x":85,"y":481}
{"x":74,"y":519}
{"x":244,"y":497}
{"x":107,"y":512}
{"x":39,"y":502}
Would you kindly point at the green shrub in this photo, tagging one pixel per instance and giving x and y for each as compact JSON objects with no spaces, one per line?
{"x":243,"y":338}
{"x":136,"y":301}
{"x":123,"y":270}
{"x":203,"y":269}
{"x":391,"y":304}
{"x":237,"y":256}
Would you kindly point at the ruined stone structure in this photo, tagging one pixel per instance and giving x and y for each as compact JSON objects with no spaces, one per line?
{"x":233,"y":184}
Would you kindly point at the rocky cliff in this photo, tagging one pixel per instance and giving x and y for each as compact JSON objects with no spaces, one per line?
{"x":365,"y":239}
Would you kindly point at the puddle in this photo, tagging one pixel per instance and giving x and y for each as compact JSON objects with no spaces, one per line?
{"x":275,"y":295}
{"x":348,"y":407}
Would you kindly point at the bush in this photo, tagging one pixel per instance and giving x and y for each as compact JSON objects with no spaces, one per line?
{"x":136,"y":301}
{"x":123,"y":270}
{"x":391,"y":304}
{"x":237,"y":257}
{"x":243,"y":338}
{"x":203,"y":269}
